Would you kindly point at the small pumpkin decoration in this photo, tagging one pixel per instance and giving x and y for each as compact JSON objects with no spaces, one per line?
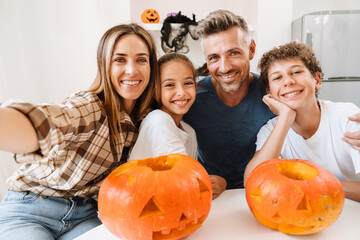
{"x":150,"y":16}
{"x":294,"y":196}
{"x":166,"y":197}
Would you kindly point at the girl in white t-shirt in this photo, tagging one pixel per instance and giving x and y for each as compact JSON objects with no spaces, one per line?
{"x":162,"y":131}
{"x":305,"y":128}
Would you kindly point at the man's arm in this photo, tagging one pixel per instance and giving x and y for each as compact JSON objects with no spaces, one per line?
{"x":273,"y":144}
{"x":353,"y":138}
{"x":218,"y":185}
{"x":17,"y":133}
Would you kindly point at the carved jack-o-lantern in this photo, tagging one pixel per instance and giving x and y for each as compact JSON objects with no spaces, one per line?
{"x":167,"y":197}
{"x":150,"y":16}
{"x":294,"y":196}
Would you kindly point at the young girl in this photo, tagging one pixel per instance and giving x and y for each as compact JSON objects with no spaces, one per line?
{"x":67,"y":149}
{"x":162,"y":131}
{"x":305,"y":128}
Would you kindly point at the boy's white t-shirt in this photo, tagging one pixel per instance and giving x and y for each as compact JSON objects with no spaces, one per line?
{"x":158,"y":135}
{"x":325,"y":147}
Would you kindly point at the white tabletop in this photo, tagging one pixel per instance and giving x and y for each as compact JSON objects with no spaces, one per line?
{"x":230,"y":218}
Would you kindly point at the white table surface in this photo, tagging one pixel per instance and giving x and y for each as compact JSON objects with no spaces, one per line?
{"x":230,"y":218}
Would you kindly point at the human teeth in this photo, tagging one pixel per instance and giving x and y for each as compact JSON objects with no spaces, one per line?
{"x":180,"y":102}
{"x":291,"y":94}
{"x":228,"y":76}
{"x":130,"y":82}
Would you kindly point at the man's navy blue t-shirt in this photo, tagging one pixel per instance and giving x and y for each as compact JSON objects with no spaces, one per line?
{"x":226,"y":135}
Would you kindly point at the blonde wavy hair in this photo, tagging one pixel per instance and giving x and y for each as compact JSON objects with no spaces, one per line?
{"x":102,"y":84}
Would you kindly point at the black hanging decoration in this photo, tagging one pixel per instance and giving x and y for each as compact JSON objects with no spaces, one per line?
{"x":174,"y":32}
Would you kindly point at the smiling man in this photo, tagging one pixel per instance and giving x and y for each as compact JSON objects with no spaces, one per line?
{"x":228,"y":111}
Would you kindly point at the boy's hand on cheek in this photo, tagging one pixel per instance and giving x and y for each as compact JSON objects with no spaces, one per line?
{"x":279,"y":108}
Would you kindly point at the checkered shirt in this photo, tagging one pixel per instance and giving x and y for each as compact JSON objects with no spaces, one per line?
{"x":75,"y":152}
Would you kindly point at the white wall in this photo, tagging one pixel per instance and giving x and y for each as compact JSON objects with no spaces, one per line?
{"x":271,"y":19}
{"x":48,"y":50}
{"x":201,"y":8}
{"x":274,"y":27}
{"x":48,"y":47}
{"x":245,"y":8}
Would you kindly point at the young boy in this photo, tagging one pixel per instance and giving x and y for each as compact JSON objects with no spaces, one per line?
{"x":305,"y":128}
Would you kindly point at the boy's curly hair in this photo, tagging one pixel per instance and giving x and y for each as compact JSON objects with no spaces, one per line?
{"x":291,"y":50}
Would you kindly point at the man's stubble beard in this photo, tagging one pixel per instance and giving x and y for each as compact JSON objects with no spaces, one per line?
{"x":228,"y":88}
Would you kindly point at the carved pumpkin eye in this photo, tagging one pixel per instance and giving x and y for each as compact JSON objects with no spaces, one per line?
{"x":167,"y":197}
{"x":294,"y":196}
{"x":150,"y":16}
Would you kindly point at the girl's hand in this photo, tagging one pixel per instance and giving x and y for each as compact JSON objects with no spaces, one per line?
{"x":279,"y":108}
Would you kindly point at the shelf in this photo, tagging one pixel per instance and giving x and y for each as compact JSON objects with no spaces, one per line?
{"x":152,"y":26}
{"x":158,"y":26}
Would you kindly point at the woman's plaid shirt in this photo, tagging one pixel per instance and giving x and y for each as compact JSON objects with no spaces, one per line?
{"x":75,"y":153}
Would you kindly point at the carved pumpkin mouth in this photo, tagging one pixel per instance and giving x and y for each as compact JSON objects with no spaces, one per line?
{"x":151,"y":19}
{"x":283,"y":227}
{"x":176,"y":232}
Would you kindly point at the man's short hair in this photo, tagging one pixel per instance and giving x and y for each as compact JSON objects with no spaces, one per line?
{"x":220,"y":20}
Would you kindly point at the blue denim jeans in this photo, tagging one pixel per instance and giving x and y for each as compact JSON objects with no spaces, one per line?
{"x":26,"y":215}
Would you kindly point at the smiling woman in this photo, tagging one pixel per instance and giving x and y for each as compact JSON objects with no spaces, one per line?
{"x":68,"y":149}
{"x":130,"y":69}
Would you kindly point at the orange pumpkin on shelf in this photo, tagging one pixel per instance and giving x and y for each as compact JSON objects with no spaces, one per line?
{"x":166,"y":197}
{"x":294,"y":196}
{"x":150,"y":16}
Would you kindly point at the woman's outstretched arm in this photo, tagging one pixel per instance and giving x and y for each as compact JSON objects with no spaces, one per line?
{"x":17,"y":133}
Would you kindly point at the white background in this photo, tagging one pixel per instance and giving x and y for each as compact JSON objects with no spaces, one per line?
{"x":48,"y":47}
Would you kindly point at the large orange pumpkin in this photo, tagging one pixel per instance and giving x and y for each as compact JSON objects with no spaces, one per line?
{"x":167,"y":197}
{"x":150,"y":16}
{"x":294,"y":196}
